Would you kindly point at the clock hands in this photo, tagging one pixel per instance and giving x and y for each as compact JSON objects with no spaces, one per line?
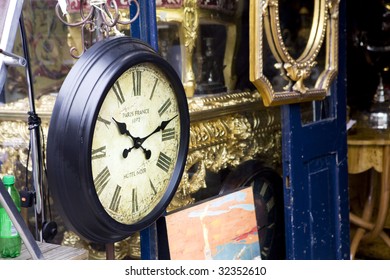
{"x":162,"y":126}
{"x":137,"y":140}
{"x":147,"y":152}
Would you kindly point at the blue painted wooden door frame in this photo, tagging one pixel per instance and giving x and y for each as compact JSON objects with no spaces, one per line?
{"x":145,"y":26}
{"x":315,"y":174}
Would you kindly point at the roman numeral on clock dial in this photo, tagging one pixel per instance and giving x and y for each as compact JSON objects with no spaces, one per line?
{"x":164,"y":162}
{"x":116,"y":198}
{"x":101,"y":180}
{"x":137,"y":83}
{"x":164,"y":107}
{"x":98,"y":153}
{"x":104,"y":121}
{"x":118,"y":92}
{"x":134,"y":201}
{"x":168,"y":134}
{"x":152,"y":186}
{"x":154,"y":88}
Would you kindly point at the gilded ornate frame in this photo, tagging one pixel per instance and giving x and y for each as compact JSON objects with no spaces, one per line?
{"x":264,"y":24}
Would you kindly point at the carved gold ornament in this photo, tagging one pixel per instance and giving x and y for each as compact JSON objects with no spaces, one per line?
{"x":225,"y":131}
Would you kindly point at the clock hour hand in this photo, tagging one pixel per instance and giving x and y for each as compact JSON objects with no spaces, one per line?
{"x":162,"y":126}
{"x":123,"y":129}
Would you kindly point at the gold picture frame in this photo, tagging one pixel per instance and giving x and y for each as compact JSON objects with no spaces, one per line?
{"x":266,"y":29}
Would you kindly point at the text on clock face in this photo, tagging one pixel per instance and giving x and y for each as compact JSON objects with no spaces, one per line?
{"x":135,"y":113}
{"x":139,"y":171}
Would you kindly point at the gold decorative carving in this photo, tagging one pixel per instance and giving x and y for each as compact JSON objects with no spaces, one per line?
{"x":97,"y":252}
{"x":190,"y":28}
{"x":225,"y":131}
{"x":296,"y":75}
{"x":265,"y":24}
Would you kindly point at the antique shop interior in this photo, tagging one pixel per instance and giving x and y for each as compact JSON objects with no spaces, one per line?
{"x":195,"y":129}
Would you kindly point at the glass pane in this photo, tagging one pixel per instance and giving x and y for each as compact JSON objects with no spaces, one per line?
{"x":169,"y":45}
{"x":209,"y":58}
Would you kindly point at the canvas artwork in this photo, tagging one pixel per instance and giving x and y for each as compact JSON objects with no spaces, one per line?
{"x":223,"y":228}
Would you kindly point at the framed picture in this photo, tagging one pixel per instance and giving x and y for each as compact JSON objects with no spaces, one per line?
{"x":222,"y":228}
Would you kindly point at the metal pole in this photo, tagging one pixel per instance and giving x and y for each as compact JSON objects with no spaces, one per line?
{"x":34,"y":124}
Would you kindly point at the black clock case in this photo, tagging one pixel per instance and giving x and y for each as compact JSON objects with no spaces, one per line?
{"x":71,"y":130}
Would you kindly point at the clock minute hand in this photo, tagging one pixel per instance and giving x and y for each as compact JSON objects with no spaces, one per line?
{"x":162,"y":126}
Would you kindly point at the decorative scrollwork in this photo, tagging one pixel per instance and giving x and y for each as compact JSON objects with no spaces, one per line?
{"x":190,"y":27}
{"x":96,"y":19}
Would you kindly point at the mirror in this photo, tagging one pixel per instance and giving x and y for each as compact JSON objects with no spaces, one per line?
{"x":295,"y":24}
{"x":293,"y":60}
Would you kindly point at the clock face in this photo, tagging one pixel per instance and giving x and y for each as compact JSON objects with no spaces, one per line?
{"x":135,"y":143}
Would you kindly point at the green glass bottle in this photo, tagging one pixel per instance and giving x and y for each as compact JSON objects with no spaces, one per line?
{"x":10,"y":241}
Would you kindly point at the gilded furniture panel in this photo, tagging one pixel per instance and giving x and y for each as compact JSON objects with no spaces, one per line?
{"x":227,"y":130}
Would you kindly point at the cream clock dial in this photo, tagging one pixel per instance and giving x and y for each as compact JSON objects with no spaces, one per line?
{"x":135,"y":143}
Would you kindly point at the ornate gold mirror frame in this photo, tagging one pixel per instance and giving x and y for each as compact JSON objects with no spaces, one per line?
{"x":265,"y":23}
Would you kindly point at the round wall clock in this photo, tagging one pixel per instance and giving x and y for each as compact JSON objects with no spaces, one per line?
{"x":268,"y":196}
{"x":117,"y":141}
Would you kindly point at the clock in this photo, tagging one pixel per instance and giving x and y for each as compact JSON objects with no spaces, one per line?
{"x":117,"y":141}
{"x":267,"y":188}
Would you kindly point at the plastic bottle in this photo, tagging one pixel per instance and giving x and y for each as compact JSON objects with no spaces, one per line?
{"x":10,"y":241}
